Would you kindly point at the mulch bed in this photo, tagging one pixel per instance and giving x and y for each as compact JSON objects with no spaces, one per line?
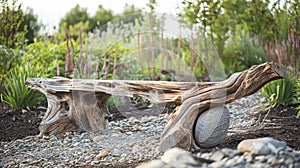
{"x":279,"y":123}
{"x":16,"y":124}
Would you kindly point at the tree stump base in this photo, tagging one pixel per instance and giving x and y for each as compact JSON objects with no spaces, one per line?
{"x":82,"y":103}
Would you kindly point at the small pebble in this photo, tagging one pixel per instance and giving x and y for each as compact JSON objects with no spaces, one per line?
{"x":102,"y":154}
{"x":217,"y":156}
{"x":219,"y":164}
{"x":34,"y":162}
{"x":261,"y":146}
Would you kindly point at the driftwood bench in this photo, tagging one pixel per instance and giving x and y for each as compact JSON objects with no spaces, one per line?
{"x":82,"y":104}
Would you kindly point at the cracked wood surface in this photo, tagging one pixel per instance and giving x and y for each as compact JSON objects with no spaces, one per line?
{"x":179,"y":130}
{"x":82,"y":103}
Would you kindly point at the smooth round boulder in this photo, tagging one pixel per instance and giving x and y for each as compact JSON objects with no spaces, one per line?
{"x":212,"y":126}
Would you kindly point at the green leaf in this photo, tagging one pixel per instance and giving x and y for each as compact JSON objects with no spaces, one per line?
{"x":17,"y":95}
{"x":279,"y":92}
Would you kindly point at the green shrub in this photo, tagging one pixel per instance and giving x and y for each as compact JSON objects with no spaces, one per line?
{"x":9,"y":58}
{"x":42,"y":56}
{"x":16,"y":94}
{"x":252,"y":51}
{"x":279,"y":92}
{"x":242,"y":52}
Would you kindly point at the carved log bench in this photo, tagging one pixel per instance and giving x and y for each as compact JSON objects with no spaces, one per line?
{"x":82,"y":103}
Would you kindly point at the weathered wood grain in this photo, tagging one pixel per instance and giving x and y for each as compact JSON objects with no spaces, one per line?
{"x":179,"y":130}
{"x":82,"y":103}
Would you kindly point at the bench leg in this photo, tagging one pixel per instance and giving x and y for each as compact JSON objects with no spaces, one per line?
{"x":75,"y":111}
{"x":91,"y":110}
{"x":58,"y":117}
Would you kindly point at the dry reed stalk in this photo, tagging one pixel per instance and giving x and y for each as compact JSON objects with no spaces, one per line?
{"x":96,"y":67}
{"x":67,"y":55}
{"x":139,"y":39}
{"x":71,"y":68}
{"x":115,"y":63}
{"x":107,"y":68}
{"x":80,"y":46}
{"x":147,"y":60}
{"x":104,"y":64}
{"x":152,"y":47}
{"x":167,"y":55}
{"x":198,"y":60}
{"x":173,"y":52}
{"x":192,"y":51}
{"x":179,"y":50}
{"x":161,"y":49}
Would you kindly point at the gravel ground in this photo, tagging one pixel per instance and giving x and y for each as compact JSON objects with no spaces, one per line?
{"x":131,"y":140}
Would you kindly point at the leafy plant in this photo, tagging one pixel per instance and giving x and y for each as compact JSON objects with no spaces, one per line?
{"x":11,"y":18}
{"x":252,"y":52}
{"x":9,"y":58}
{"x":16,"y":94}
{"x":42,"y":56}
{"x":279,"y":92}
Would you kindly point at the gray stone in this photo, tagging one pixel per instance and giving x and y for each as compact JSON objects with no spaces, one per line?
{"x":206,"y":155}
{"x":217,"y":156}
{"x":98,"y":138}
{"x":84,"y":135}
{"x":153,"y":164}
{"x":259,"y":165}
{"x":118,"y":129}
{"x":129,"y":133}
{"x":230,"y":152}
{"x":261,"y":158}
{"x":297,"y":164}
{"x":217,"y":164}
{"x":133,"y":120}
{"x":177,"y":157}
{"x":261,"y":146}
{"x":86,"y":140}
{"x":76,"y":144}
{"x":211,"y":126}
{"x":240,"y":160}
{"x":248,"y":158}
{"x":270,"y":158}
{"x":289,"y":161}
{"x":113,"y":123}
{"x":234,"y":161}
{"x":123,"y":155}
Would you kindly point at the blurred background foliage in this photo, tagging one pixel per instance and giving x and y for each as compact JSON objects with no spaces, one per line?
{"x":243,"y":33}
